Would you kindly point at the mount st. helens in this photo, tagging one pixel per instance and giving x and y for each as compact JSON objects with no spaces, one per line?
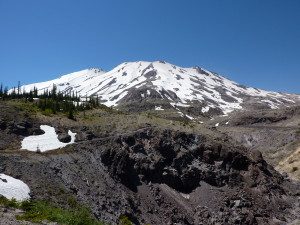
{"x":166,"y":86}
{"x":148,"y":166}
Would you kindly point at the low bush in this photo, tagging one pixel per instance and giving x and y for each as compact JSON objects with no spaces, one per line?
{"x":75,"y":214}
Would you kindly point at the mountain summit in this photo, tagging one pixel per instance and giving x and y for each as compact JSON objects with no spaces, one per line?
{"x":162,"y":83}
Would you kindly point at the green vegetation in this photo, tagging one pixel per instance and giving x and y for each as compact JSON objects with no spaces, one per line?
{"x":124,"y":220}
{"x":74,"y":214}
{"x":9,"y":203}
{"x":295,"y":168}
{"x":52,"y":102}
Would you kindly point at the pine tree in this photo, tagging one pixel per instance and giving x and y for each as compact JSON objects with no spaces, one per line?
{"x":19,"y":88}
{"x":71,"y":116}
{"x":35,"y":92}
{"x":5,"y":92}
{"x":53,"y":93}
{"x":1,"y":90}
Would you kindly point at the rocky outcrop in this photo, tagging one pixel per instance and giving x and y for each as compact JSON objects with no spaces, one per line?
{"x":184,"y":161}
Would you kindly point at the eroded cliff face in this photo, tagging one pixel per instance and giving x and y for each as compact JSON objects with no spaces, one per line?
{"x":159,"y":177}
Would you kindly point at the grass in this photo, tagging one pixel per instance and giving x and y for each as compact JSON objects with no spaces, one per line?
{"x":295,"y":168}
{"x":37,"y":211}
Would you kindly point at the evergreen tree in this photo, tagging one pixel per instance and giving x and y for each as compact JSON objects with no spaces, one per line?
{"x":70,"y":115}
{"x":35,"y":92}
{"x":5,"y":95}
{"x":19,"y":88}
{"x":1,"y":90}
{"x":53,"y":92}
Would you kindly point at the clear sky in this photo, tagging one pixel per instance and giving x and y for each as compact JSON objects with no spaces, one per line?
{"x":253,"y":42}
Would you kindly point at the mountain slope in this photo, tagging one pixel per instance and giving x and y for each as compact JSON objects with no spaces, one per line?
{"x":169,"y":84}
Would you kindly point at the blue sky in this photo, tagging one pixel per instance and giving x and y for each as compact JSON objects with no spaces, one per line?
{"x":255,"y":43}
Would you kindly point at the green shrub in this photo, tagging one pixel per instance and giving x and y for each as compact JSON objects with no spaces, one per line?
{"x":295,"y":168}
{"x":47,"y":112}
{"x":38,"y":211}
{"x":77,"y":214}
{"x":124,"y":220}
{"x":13,"y":203}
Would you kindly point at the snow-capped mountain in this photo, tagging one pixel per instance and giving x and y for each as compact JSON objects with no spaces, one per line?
{"x":160,"y":81}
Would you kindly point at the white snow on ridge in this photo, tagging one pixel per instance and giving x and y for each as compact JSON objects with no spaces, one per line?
{"x":45,"y":142}
{"x":174,"y":84}
{"x":71,"y":82}
{"x":13,"y":188}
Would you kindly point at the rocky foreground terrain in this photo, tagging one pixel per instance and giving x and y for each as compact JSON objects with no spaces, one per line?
{"x":161,"y":171}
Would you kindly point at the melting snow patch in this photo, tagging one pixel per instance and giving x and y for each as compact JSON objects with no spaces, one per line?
{"x":143,"y":95}
{"x":158,"y":108}
{"x":13,"y":188}
{"x":148,"y":92}
{"x":47,"y":141}
{"x":217,"y":124}
{"x":179,"y":104}
{"x":181,"y":114}
{"x":271,"y":104}
{"x":205,"y":109}
{"x":227,"y":122}
{"x":191,"y":118}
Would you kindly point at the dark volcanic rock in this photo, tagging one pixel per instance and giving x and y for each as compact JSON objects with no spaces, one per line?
{"x":3,"y":124}
{"x":38,"y":131}
{"x":159,"y":177}
{"x":65,"y":138}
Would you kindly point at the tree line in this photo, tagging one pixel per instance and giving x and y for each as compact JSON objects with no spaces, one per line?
{"x":52,"y":101}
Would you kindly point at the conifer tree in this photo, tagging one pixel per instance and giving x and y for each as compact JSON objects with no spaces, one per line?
{"x":19,"y":88}
{"x":1,"y":90}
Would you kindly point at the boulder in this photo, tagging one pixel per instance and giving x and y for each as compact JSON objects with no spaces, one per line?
{"x":65,"y":138}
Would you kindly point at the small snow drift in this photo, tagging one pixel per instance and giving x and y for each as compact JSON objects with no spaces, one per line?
{"x":13,"y":188}
{"x":158,"y":108}
{"x":45,"y":142}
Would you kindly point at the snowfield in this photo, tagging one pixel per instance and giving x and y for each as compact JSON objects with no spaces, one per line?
{"x":45,"y":142}
{"x":177,"y":85}
{"x":13,"y":188}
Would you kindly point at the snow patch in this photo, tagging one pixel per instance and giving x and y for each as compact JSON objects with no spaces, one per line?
{"x":181,"y":114}
{"x":205,"y":109}
{"x":271,"y":104}
{"x":191,"y":118}
{"x":13,"y":188}
{"x":158,"y":108}
{"x":45,"y":142}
